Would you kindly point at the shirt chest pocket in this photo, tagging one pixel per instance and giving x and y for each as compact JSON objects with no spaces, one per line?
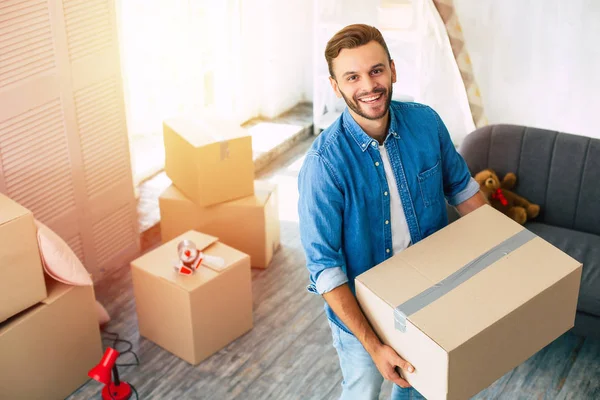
{"x":430,"y":184}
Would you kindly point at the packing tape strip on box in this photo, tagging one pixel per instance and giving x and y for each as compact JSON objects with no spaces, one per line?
{"x":217,"y":137}
{"x":433,"y":293}
{"x":223,"y":143}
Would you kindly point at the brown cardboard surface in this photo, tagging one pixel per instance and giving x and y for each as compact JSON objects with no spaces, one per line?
{"x":249,"y":224}
{"x":163,"y":310}
{"x":205,"y":130}
{"x":487,"y":325}
{"x":21,"y":274}
{"x":222,"y":308}
{"x":536,"y":323}
{"x":48,"y":349}
{"x":209,"y":160}
{"x":193,"y":316}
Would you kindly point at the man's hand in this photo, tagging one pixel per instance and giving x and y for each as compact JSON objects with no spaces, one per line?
{"x":386,"y":360}
{"x":344,"y":304}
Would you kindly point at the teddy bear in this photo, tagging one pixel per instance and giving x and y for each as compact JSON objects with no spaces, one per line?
{"x":500,"y":196}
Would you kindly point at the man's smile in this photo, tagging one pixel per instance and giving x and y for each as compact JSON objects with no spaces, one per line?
{"x":371,"y":99}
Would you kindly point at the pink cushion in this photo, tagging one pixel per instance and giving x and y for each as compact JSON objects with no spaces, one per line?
{"x":59,"y":261}
{"x":62,"y":264}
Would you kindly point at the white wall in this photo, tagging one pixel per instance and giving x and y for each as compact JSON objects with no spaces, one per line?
{"x":537,"y":62}
{"x":276,"y":55}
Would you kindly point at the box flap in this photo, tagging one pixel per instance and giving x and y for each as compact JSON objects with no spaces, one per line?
{"x":205,"y":129}
{"x":10,"y":209}
{"x":449,"y":249}
{"x":262,"y":193}
{"x":394,"y":281}
{"x":201,"y":240}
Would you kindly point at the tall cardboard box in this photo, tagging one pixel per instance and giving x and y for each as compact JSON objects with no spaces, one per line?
{"x":21,"y":274}
{"x":471,"y":302}
{"x":47,"y":350}
{"x":197,"y":315}
{"x":250,"y":224}
{"x":208,"y":159}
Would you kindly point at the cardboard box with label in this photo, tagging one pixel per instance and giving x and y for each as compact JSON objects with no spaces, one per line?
{"x":250,"y":224}
{"x":471,"y":302}
{"x":193,"y":316}
{"x":48,"y":349}
{"x":208,"y":159}
{"x":21,"y":274}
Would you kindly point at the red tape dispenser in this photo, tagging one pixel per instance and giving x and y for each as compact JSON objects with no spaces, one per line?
{"x":190,"y":259}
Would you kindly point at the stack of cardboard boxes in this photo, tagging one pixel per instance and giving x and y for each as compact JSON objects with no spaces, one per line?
{"x":210,"y":164}
{"x":215,"y":203}
{"x":49,"y":334}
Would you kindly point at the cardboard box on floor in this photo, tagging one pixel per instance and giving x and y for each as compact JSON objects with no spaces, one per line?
{"x":208,"y":159}
{"x":193,"y":316}
{"x":250,"y":224}
{"x":21,"y":274}
{"x":47,"y":350}
{"x":464,"y":330}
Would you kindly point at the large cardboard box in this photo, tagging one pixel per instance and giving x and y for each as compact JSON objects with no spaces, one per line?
{"x":471,"y":302}
{"x":21,"y":274}
{"x":193,"y":316}
{"x":47,"y":350}
{"x":250,"y":224}
{"x":208,"y":159}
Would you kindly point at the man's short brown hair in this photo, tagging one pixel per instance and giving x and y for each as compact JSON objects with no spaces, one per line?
{"x":350,"y":37}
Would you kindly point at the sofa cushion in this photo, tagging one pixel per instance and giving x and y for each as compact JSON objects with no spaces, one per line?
{"x":585,"y":248}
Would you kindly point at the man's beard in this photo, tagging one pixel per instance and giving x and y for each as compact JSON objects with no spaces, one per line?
{"x":356,"y":106}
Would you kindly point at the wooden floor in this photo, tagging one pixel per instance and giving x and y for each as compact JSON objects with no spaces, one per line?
{"x":289,"y":354}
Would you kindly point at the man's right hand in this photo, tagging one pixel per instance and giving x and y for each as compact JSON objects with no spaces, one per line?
{"x":344,"y":304}
{"x":386,"y":360}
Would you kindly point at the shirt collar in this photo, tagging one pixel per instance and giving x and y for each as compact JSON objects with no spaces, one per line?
{"x":360,"y":137}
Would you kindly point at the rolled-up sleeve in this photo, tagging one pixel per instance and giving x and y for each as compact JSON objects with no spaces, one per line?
{"x":458,"y":183}
{"x":320,"y":211}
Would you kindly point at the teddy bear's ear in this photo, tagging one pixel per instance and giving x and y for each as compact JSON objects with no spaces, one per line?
{"x":493,"y":175}
{"x":481,"y":176}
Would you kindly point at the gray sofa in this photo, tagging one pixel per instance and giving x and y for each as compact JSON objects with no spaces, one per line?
{"x":561,"y":173}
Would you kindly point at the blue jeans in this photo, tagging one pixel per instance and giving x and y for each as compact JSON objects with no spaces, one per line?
{"x":362,"y":380}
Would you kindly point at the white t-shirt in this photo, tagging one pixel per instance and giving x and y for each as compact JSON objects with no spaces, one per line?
{"x":400,"y":232}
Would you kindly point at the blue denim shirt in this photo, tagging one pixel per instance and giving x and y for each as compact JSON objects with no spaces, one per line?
{"x":344,"y":198}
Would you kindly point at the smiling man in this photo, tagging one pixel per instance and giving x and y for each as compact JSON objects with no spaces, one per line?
{"x":373,"y":183}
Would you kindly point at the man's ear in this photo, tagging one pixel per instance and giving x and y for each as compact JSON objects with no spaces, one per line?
{"x":335,"y":87}
{"x":393,"y":68}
